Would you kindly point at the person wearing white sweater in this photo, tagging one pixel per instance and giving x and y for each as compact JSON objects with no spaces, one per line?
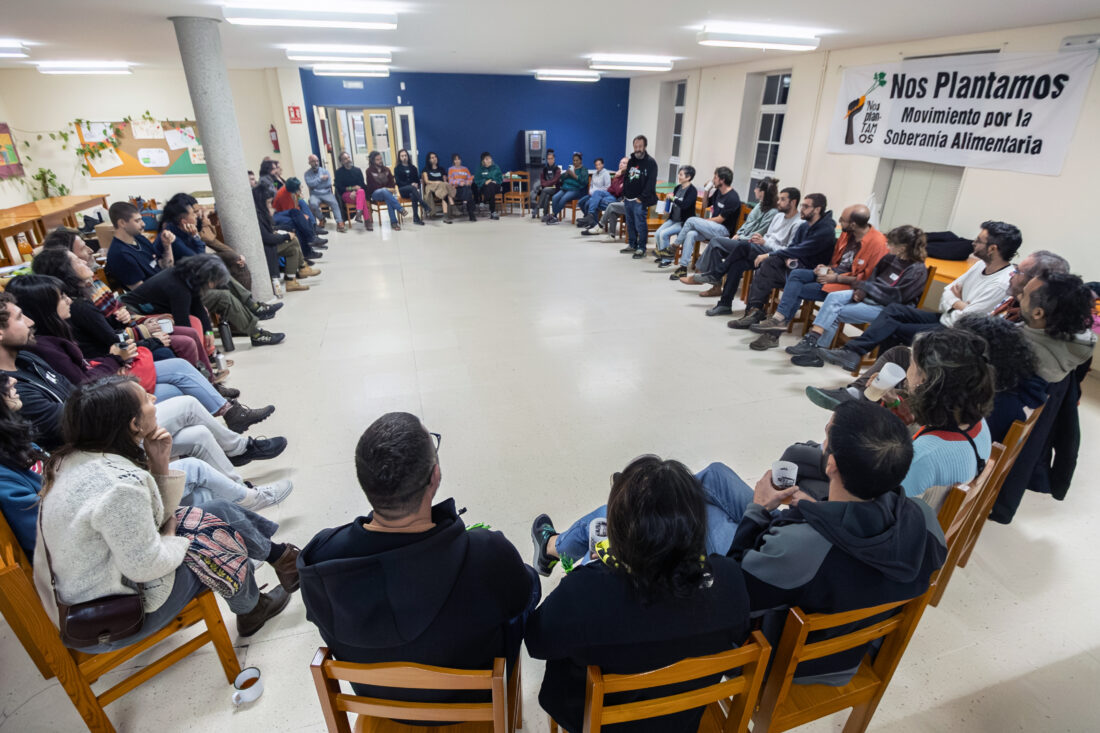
{"x":978,"y":290}
{"x":107,"y":518}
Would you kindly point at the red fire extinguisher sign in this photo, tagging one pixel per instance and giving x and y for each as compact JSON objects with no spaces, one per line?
{"x":294,"y":112}
{"x":274,"y":139}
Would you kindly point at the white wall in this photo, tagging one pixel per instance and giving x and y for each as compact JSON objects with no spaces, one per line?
{"x":31,"y":103}
{"x":1048,"y":209}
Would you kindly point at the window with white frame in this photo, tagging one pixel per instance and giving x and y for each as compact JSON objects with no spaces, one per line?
{"x":769,"y":128}
{"x":677,"y":129}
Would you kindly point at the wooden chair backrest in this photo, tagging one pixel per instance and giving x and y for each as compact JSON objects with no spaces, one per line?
{"x":739,"y":692}
{"x":520,"y":180}
{"x":328,"y":673}
{"x":781,"y":710}
{"x":927,"y":286}
{"x":11,"y":553}
{"x":968,"y":514}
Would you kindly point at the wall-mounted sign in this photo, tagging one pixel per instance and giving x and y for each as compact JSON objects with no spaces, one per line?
{"x":294,"y":112}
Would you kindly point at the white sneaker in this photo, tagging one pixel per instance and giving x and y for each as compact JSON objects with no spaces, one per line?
{"x":261,"y":497}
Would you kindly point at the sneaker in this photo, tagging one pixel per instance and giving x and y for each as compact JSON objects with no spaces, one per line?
{"x":239,"y":418}
{"x":553,"y":220}
{"x":842,"y":357}
{"x":639,"y":255}
{"x":810,"y":359}
{"x":493,"y":216}
{"x":320,"y":230}
{"x":313,"y":256}
{"x":261,"y":497}
{"x":341,"y":228}
{"x":419,"y":222}
{"x":678,"y":273}
{"x":829,"y":398}
{"x":266,"y":338}
{"x":319,"y":241}
{"x":807,"y":345}
{"x":266,"y":312}
{"x":268,"y":606}
{"x":317,"y":246}
{"x":765,"y":341}
{"x":395,"y":227}
{"x":720,"y":310}
{"x":662,"y":253}
{"x":259,"y":449}
{"x":590,"y":231}
{"x":294,"y":285}
{"x":769,"y":325}
{"x":753,"y":316}
{"x":626,"y":251}
{"x":542,"y":529}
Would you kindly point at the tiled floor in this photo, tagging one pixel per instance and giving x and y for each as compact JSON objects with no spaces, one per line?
{"x":548,"y":360}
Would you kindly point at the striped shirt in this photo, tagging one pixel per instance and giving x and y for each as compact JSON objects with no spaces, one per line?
{"x":459,"y":175}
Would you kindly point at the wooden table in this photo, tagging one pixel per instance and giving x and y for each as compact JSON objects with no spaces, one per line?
{"x":38,"y":217}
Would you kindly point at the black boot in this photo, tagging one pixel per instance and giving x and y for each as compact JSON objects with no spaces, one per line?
{"x":239,"y":418}
{"x":229,"y":393}
{"x":268,"y":606}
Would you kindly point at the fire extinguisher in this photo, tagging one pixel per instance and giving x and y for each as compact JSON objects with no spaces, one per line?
{"x":274,"y":139}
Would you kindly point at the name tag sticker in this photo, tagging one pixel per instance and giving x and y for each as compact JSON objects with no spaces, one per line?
{"x":859,"y":262}
{"x":893,"y":276}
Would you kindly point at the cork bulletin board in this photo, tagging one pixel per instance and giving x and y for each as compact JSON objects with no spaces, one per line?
{"x":145,"y":148}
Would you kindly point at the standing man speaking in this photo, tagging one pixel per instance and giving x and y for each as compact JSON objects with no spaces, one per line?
{"x":639,"y":193}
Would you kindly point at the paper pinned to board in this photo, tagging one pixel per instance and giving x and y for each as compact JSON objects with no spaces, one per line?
{"x":153,"y":157}
{"x":95,"y":132}
{"x":105,"y":161}
{"x":179,"y":138}
{"x":146,"y":130}
{"x":198,"y":157}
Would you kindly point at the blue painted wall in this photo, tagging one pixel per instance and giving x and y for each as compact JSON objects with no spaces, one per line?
{"x":469,"y":113}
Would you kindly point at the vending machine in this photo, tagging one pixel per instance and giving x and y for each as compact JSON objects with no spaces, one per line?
{"x":534,"y":148}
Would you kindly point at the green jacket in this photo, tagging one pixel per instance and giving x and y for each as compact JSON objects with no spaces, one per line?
{"x":492,"y":173}
{"x":568,"y":183}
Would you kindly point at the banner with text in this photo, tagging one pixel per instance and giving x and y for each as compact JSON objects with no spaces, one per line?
{"x":1007,"y":111}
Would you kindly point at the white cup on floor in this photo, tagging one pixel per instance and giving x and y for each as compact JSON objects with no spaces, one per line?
{"x":248,"y":686}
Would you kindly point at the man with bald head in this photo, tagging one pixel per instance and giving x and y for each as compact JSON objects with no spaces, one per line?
{"x":319,"y":182}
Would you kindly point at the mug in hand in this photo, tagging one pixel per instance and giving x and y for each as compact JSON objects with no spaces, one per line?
{"x":784,"y":474}
{"x":166,"y":325}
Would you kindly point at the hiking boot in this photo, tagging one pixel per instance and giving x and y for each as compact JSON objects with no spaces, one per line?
{"x":830,"y":398}
{"x":711,"y":292}
{"x":266,"y":338}
{"x":542,"y":529}
{"x":268,"y":606}
{"x":259,"y":449}
{"x":753,"y":315}
{"x":720,"y":310}
{"x":294,"y":285}
{"x":772,"y":324}
{"x":810,"y":359}
{"x":261,"y":497}
{"x":286,"y":568}
{"x":842,"y":357}
{"x":239,"y":418}
{"x":807,"y":345}
{"x":678,"y":273}
{"x":765,"y":341}
{"x":229,"y":393}
{"x":308,"y":271}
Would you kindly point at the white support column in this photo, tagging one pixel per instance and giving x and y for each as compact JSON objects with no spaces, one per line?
{"x":200,"y":48}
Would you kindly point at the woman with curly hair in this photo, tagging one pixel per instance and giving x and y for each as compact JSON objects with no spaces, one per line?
{"x":951,"y":390}
{"x":1057,"y":315}
{"x":20,"y":469}
{"x":652,"y":598}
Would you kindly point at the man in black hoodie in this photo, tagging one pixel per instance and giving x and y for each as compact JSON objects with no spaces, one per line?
{"x":812,"y":244}
{"x":410,"y":582}
{"x":866,"y":545}
{"x":639,"y":193}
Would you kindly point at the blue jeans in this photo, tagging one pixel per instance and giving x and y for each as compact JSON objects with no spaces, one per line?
{"x":665,"y":233}
{"x":698,"y":228}
{"x":316,"y":199}
{"x":637,"y":230}
{"x":392,"y":204}
{"x":838,"y":308}
{"x":176,"y":377}
{"x":296,"y":220}
{"x":598,"y":201}
{"x":801,"y":285}
{"x":726,"y":494}
{"x":562,"y":197}
{"x":202,"y":483}
{"x":582,"y":203}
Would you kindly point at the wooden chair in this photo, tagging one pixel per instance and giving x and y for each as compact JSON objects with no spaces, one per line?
{"x":377,"y":207}
{"x":77,"y":671}
{"x":519,"y":192}
{"x":1015,"y":439}
{"x":962,"y":524}
{"x":785,"y":705}
{"x":377,"y":715}
{"x":728,"y":703}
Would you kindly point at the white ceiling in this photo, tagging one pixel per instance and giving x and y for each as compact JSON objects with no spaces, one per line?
{"x":510,"y":36}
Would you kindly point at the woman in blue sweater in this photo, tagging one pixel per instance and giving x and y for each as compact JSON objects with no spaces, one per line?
{"x":20,"y":469}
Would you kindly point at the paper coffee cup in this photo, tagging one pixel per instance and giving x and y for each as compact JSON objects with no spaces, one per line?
{"x":888,"y":377}
{"x":166,"y":325}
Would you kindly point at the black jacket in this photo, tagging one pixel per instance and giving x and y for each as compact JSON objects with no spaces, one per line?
{"x":406,"y":175}
{"x":166,"y":292}
{"x":811,"y":245}
{"x":683,"y":203}
{"x":345,"y":178}
{"x":641,"y":180}
{"x":827,"y":557}
{"x":595,"y":616}
{"x":906,"y":289}
{"x":442,"y":597}
{"x":43,"y":392}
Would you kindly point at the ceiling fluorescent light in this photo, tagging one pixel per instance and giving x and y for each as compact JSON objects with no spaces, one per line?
{"x":350,"y":70}
{"x":310,"y":18}
{"x":627,"y":62}
{"x":11,"y":49}
{"x":757,"y":40}
{"x":378,"y":59}
{"x":566,"y":75}
{"x":84,"y":67}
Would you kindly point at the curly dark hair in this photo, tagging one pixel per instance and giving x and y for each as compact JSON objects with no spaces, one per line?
{"x":57,"y":262}
{"x":958,"y":384}
{"x":912,"y":239}
{"x":1067,"y":305}
{"x":656,"y":524}
{"x":16,"y":449}
{"x":199,"y":272}
{"x":1005,"y":237}
{"x":1013,"y":360}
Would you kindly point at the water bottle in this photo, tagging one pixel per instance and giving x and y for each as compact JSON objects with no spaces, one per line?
{"x":226,"y":334}
{"x":277,"y":287}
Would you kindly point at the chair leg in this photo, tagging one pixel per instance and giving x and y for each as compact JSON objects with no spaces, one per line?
{"x":553,"y":726}
{"x":219,"y":637}
{"x":861,"y":715}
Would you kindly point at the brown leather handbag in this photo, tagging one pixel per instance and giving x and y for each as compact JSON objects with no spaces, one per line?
{"x":98,"y":621}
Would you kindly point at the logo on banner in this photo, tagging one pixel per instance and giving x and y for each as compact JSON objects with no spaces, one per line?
{"x":870,"y":117}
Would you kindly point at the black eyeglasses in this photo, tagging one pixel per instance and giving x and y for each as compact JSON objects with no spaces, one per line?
{"x":437,"y":438}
